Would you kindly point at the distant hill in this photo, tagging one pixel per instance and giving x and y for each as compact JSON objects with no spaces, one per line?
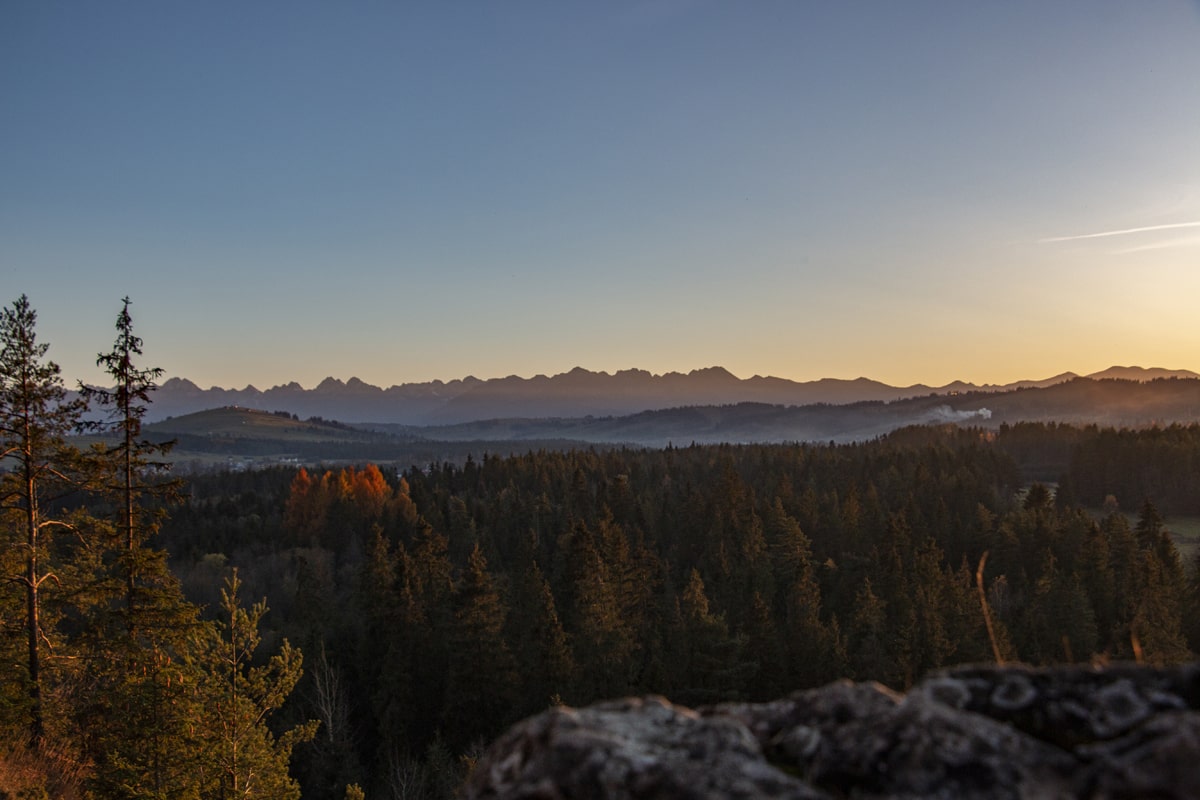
{"x":578,"y":393}
{"x":238,"y":422}
{"x":1117,"y":403}
{"x":233,"y":435}
{"x":1141,"y":374}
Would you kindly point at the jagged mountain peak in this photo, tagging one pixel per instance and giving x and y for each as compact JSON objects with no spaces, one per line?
{"x":179,"y":384}
{"x":359,"y":385}
{"x":719,"y":373}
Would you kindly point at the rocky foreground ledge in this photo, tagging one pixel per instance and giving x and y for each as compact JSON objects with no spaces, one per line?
{"x":972,"y":732}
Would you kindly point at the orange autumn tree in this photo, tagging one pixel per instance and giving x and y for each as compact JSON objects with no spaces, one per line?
{"x":307,"y":506}
{"x":366,"y":490}
{"x":342,"y":501}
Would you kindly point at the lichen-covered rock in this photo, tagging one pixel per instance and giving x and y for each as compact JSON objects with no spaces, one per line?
{"x":975,"y":732}
{"x":862,"y":740}
{"x":630,"y":749}
{"x":1073,"y":706}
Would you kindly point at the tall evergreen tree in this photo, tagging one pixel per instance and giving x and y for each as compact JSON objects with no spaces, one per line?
{"x":1152,"y":535}
{"x":931,"y":645}
{"x":711,"y":667}
{"x":1060,"y":624}
{"x":138,"y":634}
{"x":603,"y":642}
{"x":143,"y":731}
{"x":545,"y":665}
{"x":1156,"y":628}
{"x":1149,"y":526}
{"x":481,"y":685}
{"x":1124,"y":560}
{"x":36,"y":416}
{"x":237,"y":755}
{"x":137,"y":466}
{"x":867,"y":637}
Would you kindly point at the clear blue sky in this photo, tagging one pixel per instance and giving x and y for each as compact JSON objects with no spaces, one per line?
{"x":409,"y":191}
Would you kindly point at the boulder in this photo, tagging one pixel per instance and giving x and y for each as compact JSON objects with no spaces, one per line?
{"x":1121,"y":731}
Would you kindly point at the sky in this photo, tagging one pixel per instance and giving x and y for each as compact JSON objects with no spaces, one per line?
{"x":399,"y":192}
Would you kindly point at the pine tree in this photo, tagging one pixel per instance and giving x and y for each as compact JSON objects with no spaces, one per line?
{"x":931,"y":645}
{"x":867,"y":637}
{"x":603,"y":642}
{"x":1149,"y":526}
{"x":545,"y":664}
{"x":711,"y":666}
{"x":135,"y":639}
{"x":894,"y":587}
{"x":1059,"y":624}
{"x":764,"y":650}
{"x":1156,"y":629}
{"x":137,"y":464}
{"x":143,"y":732}
{"x":809,"y":644}
{"x":426,"y":598}
{"x":481,"y":685}
{"x":1124,"y":559}
{"x":1150,"y":584}
{"x":1152,"y":535}
{"x":36,"y":416}
{"x":237,"y":754}
{"x":1098,"y":578}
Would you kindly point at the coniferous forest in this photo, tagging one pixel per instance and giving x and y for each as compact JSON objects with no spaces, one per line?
{"x":348,"y":631}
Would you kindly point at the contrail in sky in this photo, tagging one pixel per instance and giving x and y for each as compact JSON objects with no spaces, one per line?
{"x":1122,"y":232}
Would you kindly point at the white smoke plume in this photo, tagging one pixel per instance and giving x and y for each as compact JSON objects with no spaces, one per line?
{"x":948,"y":414}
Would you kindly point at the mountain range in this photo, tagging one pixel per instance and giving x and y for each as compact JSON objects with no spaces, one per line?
{"x":575,"y":394}
{"x":229,"y":433}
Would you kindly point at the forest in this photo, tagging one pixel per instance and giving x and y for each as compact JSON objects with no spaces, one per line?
{"x":352,"y":631}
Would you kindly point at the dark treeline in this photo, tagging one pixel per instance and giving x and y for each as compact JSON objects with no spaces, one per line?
{"x":1092,"y":464}
{"x":1162,"y":464}
{"x":439,"y":605}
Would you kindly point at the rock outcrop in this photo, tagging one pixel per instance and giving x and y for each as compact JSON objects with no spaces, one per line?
{"x":972,"y":732}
